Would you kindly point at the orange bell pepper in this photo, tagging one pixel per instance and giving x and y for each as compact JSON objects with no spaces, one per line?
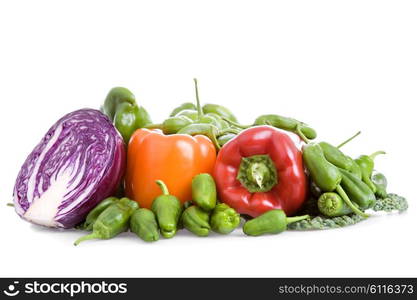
{"x":174,"y":159}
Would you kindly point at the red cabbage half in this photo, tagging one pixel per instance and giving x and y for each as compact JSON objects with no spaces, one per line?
{"x":79,"y":162}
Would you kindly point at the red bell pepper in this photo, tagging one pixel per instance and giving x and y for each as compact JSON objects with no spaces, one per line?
{"x":259,"y":170}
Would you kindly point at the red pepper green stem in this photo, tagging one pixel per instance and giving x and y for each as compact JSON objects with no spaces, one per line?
{"x":199,"y":108}
{"x":375,"y":154}
{"x":348,"y":140}
{"x":163,"y":187}
{"x":345,"y":198}
{"x":257,"y":173}
{"x":297,"y":218}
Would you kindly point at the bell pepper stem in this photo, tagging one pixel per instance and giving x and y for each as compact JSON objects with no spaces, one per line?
{"x":297,"y":218}
{"x":163,"y":187}
{"x":375,"y":154}
{"x":10,"y":204}
{"x":301,"y":134}
{"x":90,"y":236}
{"x":348,"y":140}
{"x":199,"y":109}
{"x":349,"y":203}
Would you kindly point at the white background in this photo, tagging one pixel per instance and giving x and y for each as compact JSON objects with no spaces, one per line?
{"x":341,"y":66}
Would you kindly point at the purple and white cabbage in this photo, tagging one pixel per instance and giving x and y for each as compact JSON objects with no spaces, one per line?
{"x":79,"y":162}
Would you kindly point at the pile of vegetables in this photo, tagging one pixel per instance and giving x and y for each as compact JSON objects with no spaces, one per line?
{"x":113,"y":170}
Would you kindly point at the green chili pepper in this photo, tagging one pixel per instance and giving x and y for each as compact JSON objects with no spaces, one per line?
{"x":223,"y":139}
{"x":366,"y":163}
{"x":357,"y":190}
{"x":114,"y":98}
{"x":380,"y":182}
{"x":222,"y":124}
{"x":332,"y":205}
{"x":112,"y":221}
{"x":272,"y":222}
{"x":355,"y":169}
{"x":336,"y":157}
{"x":167,"y":209}
{"x":288,"y":124}
{"x":196,"y":220}
{"x":121,"y":107}
{"x":184,"y":106}
{"x":189,"y":113}
{"x":96,"y":211}
{"x":204,"y":129}
{"x":204,"y":192}
{"x":172,"y":124}
{"x":224,"y":219}
{"x":219,"y":110}
{"x":325,"y":175}
{"x":143,"y":223}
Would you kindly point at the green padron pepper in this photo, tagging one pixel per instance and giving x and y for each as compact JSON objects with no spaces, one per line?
{"x":219,"y":110}
{"x":336,"y":157}
{"x":271,"y":222}
{"x":112,"y":221}
{"x":196,"y":220}
{"x":167,"y":209}
{"x":184,"y":106}
{"x":366,"y":163}
{"x":143,"y":223}
{"x":224,"y":219}
{"x":121,"y":107}
{"x":357,"y":191}
{"x":380,"y":182}
{"x":204,"y":192}
{"x":96,"y":211}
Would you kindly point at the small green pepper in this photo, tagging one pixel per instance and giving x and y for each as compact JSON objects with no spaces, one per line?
{"x":219,"y":110}
{"x":336,"y":157}
{"x":172,"y":125}
{"x":286,"y":123}
{"x":184,"y":106}
{"x":332,"y":205}
{"x":355,"y":169}
{"x":224,"y":219}
{"x":357,"y":191}
{"x":114,"y":98}
{"x":143,"y":223}
{"x":204,"y":129}
{"x":112,"y":221}
{"x":189,"y":113}
{"x":167,"y":209}
{"x":272,"y":222}
{"x":223,"y":139}
{"x":325,"y":175}
{"x":380,"y":182}
{"x":121,"y":107}
{"x":366,"y":163}
{"x":204,"y":192}
{"x":196,"y":220}
{"x":96,"y":211}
